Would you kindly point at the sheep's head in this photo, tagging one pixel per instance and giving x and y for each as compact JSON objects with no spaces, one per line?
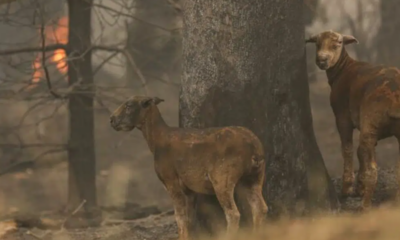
{"x":132,"y":113}
{"x":329,"y":47}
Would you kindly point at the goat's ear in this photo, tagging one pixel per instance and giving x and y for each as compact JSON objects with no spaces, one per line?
{"x":157,"y":100}
{"x":312,"y":39}
{"x":348,"y":39}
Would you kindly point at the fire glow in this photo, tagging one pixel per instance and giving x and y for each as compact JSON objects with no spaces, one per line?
{"x":57,"y":33}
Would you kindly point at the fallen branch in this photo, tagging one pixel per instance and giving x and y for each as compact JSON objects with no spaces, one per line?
{"x":36,"y":235}
{"x":73,"y":213}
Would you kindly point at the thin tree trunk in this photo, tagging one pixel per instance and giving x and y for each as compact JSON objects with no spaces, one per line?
{"x":81,"y":152}
{"x":388,"y":38}
{"x":309,"y":15}
{"x":150,"y":41}
{"x":244,"y":64}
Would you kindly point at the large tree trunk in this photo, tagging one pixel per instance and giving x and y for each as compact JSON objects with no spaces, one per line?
{"x":388,"y":38}
{"x":81,"y":152}
{"x":244,"y":64}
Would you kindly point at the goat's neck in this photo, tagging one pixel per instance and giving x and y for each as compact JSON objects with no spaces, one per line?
{"x":334,"y":72}
{"x":154,"y":128}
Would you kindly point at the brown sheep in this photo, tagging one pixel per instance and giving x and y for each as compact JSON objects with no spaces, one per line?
{"x":364,"y":97}
{"x":207,"y":161}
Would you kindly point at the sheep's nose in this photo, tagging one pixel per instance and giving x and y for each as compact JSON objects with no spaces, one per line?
{"x":322,"y":58}
{"x":112,"y":120}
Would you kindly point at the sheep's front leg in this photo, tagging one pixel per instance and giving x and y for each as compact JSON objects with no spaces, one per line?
{"x":345,"y":130}
{"x":181,"y":206}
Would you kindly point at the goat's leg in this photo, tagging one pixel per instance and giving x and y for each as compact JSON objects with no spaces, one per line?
{"x":345,"y":130}
{"x":368,"y":175}
{"x":224,"y":190}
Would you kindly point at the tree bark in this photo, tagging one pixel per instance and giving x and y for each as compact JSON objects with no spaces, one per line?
{"x":387,"y":38}
{"x":81,"y":152}
{"x":244,"y":64}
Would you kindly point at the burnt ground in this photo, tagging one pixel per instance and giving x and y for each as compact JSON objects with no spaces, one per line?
{"x":39,"y":190}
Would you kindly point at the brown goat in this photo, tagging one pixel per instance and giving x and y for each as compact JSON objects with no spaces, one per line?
{"x":364,"y":97}
{"x":207,"y":161}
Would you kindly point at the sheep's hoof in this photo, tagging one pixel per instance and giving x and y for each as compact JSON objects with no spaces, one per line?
{"x":359,"y":191}
{"x":347,"y":192}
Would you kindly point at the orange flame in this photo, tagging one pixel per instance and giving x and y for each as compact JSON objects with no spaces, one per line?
{"x":54,"y":34}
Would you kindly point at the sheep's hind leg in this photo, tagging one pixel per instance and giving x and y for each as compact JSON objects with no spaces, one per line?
{"x":257,"y":204}
{"x":345,"y":130}
{"x":368,"y":175}
{"x":397,"y":197}
{"x":224,"y":190}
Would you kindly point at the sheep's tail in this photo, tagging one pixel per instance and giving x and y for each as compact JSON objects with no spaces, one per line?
{"x":394,"y":112}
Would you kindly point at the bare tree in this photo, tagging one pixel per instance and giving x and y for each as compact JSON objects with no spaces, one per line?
{"x":80,"y":95}
{"x":81,"y":155}
{"x":158,"y":45}
{"x":244,"y":64}
{"x":361,"y":23}
{"x":310,"y":14}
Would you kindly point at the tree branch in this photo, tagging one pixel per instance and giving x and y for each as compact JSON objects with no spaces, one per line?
{"x":132,"y":17}
{"x":2,"y":2}
{"x":44,"y":66}
{"x":32,"y":145}
{"x":129,"y":58}
{"x":47,"y":48}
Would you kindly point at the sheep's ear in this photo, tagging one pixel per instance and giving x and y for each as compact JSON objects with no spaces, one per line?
{"x":348,"y":39}
{"x":147,"y":102}
{"x":312,"y":39}
{"x":157,"y":100}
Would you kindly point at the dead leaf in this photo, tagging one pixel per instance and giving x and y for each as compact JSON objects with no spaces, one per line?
{"x":21,"y":175}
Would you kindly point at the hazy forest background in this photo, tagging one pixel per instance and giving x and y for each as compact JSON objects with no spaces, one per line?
{"x":136,"y":49}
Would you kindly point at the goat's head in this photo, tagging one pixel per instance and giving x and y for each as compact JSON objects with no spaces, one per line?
{"x":329,"y":47}
{"x":132,"y":113}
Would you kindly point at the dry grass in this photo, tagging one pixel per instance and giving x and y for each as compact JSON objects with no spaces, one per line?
{"x":378,"y":224}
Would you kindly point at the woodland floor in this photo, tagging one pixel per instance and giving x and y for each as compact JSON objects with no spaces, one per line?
{"x":157,"y":222}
